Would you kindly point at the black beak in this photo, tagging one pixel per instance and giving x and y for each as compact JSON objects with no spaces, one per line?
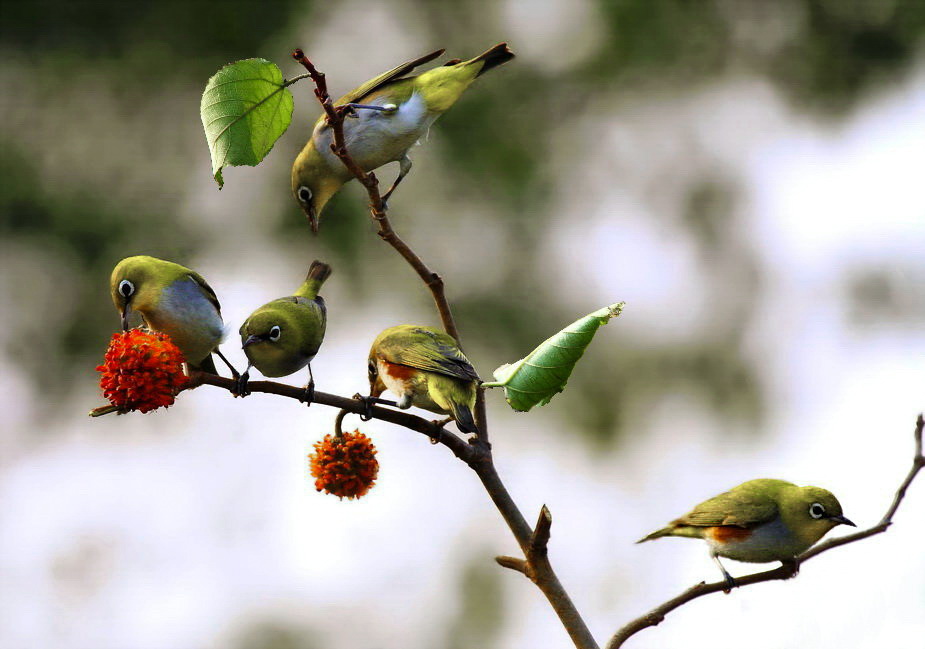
{"x":251,"y":340}
{"x":125,"y":317}
{"x":842,"y":520}
{"x":312,"y":217}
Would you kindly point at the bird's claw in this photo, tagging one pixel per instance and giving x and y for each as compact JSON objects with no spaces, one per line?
{"x":239,"y":387}
{"x":367,"y":413}
{"x":730,"y":584}
{"x":439,"y":423}
{"x":308,"y":394}
{"x":369,"y":401}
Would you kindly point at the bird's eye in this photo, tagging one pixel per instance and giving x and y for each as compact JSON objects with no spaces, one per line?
{"x":816,"y":510}
{"x":274,"y":333}
{"x":126,"y":288}
{"x":371,"y":368}
{"x":304,"y":194}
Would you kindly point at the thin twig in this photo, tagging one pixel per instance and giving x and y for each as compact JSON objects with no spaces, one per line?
{"x":461,"y":449}
{"x":481,"y":461}
{"x":785,"y":571}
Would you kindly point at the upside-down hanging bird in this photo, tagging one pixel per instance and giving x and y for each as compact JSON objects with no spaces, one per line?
{"x":392,"y":111}
{"x":424,"y":367}
{"x":759,"y":521}
{"x":174,"y":300}
{"x":284,"y":335}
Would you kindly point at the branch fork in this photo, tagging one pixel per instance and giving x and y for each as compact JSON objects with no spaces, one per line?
{"x":536,"y":551}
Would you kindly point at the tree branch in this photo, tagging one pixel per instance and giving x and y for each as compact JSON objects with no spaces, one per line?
{"x":437,"y":434}
{"x":786,"y":570}
{"x":532,"y":544}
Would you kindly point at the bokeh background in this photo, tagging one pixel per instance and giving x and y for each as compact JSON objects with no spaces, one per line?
{"x":747,"y":176}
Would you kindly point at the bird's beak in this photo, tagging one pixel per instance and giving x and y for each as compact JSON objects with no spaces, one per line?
{"x":842,"y":520}
{"x":125,"y":317}
{"x":312,"y":217}
{"x":250,"y":341}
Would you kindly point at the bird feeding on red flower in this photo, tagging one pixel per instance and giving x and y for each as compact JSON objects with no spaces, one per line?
{"x":344,"y":466}
{"x":142,"y":370}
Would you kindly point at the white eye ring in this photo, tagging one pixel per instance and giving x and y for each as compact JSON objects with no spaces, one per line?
{"x":126,"y":288}
{"x":304,"y":194}
{"x":816,"y":510}
{"x":274,"y":333}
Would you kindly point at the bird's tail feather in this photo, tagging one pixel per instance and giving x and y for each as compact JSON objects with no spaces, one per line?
{"x":657,"y":534}
{"x":463,"y":416}
{"x":494,"y":57}
{"x":317,"y":274}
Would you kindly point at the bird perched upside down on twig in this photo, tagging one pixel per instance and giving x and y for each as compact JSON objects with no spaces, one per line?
{"x":392,"y":112}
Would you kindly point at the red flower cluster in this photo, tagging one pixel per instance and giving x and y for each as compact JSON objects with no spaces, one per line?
{"x":346,"y":467}
{"x":142,"y":371}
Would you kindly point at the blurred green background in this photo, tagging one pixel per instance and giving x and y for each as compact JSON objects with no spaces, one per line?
{"x":102,"y":156}
{"x":99,"y":144}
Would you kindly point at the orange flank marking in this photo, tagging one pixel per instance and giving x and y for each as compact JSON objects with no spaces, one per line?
{"x":729,"y":533}
{"x":399,"y":372}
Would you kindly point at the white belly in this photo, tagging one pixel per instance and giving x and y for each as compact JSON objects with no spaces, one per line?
{"x":769,"y":542}
{"x":186,"y":315}
{"x":376,"y":138}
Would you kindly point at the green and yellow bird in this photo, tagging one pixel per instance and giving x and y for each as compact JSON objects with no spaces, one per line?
{"x":759,"y":521}
{"x":284,"y":335}
{"x":424,"y":367}
{"x":174,"y":300}
{"x":393,"y":111}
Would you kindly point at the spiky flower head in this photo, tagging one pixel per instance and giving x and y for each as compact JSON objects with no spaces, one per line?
{"x":345,"y":466}
{"x":142,"y":370}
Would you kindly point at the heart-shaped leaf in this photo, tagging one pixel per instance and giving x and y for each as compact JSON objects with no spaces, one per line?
{"x":245,"y":108}
{"x":543,"y":373}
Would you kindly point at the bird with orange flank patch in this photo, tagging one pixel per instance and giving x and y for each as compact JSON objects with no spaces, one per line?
{"x":423,"y":367}
{"x":759,"y":521}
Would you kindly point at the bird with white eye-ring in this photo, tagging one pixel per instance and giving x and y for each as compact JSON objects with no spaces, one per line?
{"x":392,"y":112}
{"x":174,"y":300}
{"x":759,"y":521}
{"x":283,"y":336}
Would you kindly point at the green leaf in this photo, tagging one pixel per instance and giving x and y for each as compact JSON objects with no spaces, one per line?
{"x":543,"y":373}
{"x":245,"y":108}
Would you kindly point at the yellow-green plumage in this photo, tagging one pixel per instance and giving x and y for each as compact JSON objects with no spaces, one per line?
{"x":283,"y":336}
{"x":377,"y":137}
{"x":171,"y":299}
{"x":760,"y":521}
{"x":424,"y":367}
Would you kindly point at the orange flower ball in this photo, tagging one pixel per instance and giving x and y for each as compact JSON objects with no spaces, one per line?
{"x":346,"y":467}
{"x":142,"y":370}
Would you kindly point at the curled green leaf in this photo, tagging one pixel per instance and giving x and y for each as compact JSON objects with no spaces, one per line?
{"x":245,"y":108}
{"x":543,"y":373}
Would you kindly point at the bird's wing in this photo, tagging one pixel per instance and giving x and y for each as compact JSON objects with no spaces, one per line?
{"x":384,"y":78}
{"x":431,"y":352}
{"x":739,"y":508}
{"x":204,"y":285}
